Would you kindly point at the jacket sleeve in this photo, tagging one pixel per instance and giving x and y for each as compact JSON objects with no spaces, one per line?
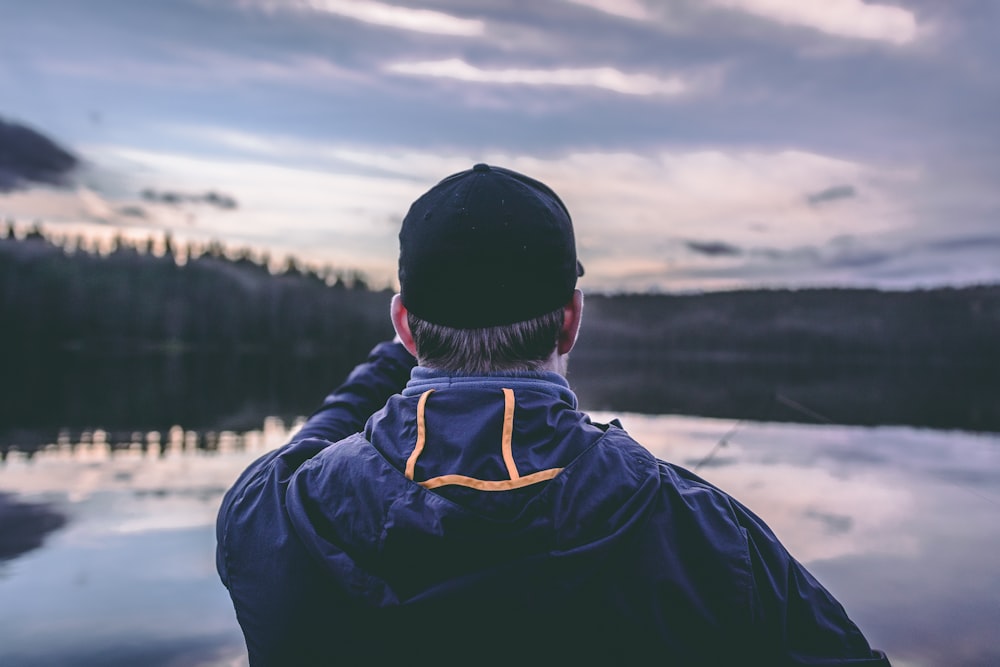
{"x":342,"y":413}
{"x":253,"y":530}
{"x":797,"y":619}
{"x":345,"y":411}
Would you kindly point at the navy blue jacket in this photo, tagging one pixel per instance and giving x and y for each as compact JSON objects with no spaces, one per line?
{"x":482,"y":519}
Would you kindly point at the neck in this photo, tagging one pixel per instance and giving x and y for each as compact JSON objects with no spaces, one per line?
{"x":557,"y":363}
{"x":554,"y":363}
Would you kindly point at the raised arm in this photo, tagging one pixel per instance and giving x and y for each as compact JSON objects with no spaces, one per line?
{"x":366,"y":390}
{"x":341,"y":414}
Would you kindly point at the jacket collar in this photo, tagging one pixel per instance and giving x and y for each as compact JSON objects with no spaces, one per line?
{"x":548,"y":382}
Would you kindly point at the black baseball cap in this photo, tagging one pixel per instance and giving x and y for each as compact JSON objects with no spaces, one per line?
{"x":487,"y":247}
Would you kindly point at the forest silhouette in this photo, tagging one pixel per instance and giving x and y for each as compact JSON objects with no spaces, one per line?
{"x":144,"y":335}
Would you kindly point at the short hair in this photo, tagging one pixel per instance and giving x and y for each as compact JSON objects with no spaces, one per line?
{"x":522,"y":346}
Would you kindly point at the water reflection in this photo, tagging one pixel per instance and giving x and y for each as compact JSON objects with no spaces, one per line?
{"x":152,"y":392}
{"x":130,"y":578}
{"x":899,"y":523}
{"x":24,"y":526}
{"x":131,"y":396}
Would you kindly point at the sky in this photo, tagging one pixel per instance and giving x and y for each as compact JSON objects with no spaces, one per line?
{"x":699,"y":145}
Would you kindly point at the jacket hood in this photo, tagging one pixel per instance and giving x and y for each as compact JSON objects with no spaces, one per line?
{"x":459,"y":480}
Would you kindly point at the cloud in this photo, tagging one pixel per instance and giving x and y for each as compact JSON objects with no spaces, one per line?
{"x":965,"y":242}
{"x":607,"y":78}
{"x":211,"y":198}
{"x":94,"y":206}
{"x":287,"y":149}
{"x":132,"y":211}
{"x":339,"y":215}
{"x":832,"y":194}
{"x":203,"y":69}
{"x":28,"y":157}
{"x":382,"y":14}
{"x":843,"y":18}
{"x":833,"y":524}
{"x":629,"y":9}
{"x":713,"y":248}
{"x":892,"y":260}
{"x":857,"y":259}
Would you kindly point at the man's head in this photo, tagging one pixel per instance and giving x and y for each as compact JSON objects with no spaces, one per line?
{"x":487,"y":273}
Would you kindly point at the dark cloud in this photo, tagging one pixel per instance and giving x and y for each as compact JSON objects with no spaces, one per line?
{"x":855,"y":258}
{"x":964,"y":242}
{"x":132,"y":212}
{"x":713,"y":248}
{"x":841,"y":253}
{"x":28,"y":157}
{"x":900,"y":263}
{"x":835,"y":524}
{"x":210,"y":198}
{"x":832,"y":194}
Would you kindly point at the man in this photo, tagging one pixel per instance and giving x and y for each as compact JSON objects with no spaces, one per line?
{"x":464,"y":510}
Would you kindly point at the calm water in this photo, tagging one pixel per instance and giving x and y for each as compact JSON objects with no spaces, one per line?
{"x":901,"y":524}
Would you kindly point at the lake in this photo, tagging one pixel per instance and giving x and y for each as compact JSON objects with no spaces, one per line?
{"x":113,"y":560}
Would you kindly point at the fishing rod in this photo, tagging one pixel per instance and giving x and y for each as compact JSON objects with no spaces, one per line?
{"x":779,"y":397}
{"x":727,"y":436}
{"x":722,"y":442}
{"x":802,"y":409}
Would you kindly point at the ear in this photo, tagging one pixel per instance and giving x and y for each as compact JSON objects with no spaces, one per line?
{"x":397,"y":313}
{"x":572,"y":316}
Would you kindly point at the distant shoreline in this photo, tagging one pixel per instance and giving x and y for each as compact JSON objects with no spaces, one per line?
{"x":136,"y":340}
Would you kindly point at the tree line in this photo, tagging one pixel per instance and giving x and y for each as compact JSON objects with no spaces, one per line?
{"x":61,"y":295}
{"x":150,"y":297}
{"x":915,"y":327}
